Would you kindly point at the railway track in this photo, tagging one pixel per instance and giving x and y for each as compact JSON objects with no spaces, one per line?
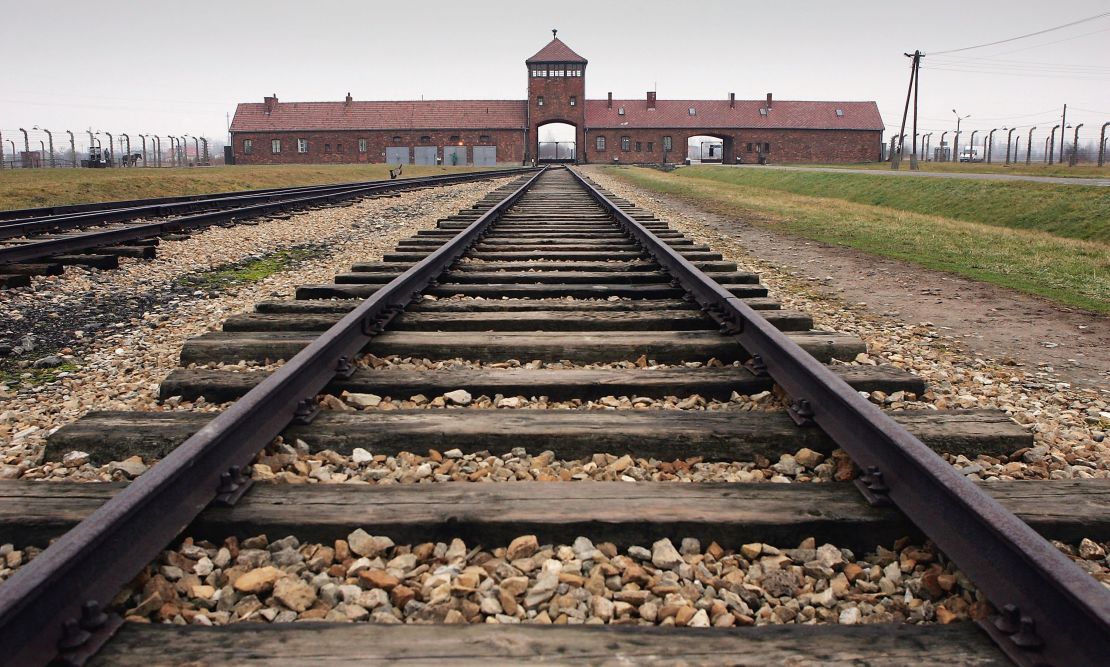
{"x":552,"y":270}
{"x":42,"y":241}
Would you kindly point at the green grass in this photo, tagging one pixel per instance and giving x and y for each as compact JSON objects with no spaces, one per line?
{"x":1069,"y":271}
{"x":30,"y":188}
{"x":1016,"y":169}
{"x":35,"y":376}
{"x":1073,"y":211}
{"x":251,"y":270}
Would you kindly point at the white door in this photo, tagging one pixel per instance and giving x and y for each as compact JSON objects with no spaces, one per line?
{"x":424,"y":155}
{"x":485,"y":156}
{"x":397,"y":155}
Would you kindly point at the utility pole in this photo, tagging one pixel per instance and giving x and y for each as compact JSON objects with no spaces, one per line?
{"x":956,"y":139}
{"x":896,"y":159}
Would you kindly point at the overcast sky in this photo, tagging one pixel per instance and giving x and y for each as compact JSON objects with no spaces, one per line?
{"x":175,"y":68}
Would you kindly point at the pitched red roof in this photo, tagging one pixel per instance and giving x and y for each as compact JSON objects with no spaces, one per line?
{"x":556,"y":52}
{"x":358,"y":115}
{"x":783,"y":114}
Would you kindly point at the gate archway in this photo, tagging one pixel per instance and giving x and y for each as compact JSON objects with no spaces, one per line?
{"x":556,"y":142}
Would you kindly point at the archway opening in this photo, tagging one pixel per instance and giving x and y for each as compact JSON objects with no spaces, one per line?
{"x":705,"y":149}
{"x":556,"y":142}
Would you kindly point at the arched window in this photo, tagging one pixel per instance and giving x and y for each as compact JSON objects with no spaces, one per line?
{"x":425,"y":139}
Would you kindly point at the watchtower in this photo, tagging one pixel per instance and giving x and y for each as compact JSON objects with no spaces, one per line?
{"x":556,"y":94}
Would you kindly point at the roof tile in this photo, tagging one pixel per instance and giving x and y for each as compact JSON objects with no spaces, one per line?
{"x":556,"y":52}
{"x":385,"y":115}
{"x":783,"y":114}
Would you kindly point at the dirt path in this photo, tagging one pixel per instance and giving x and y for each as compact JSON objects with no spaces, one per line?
{"x":996,"y":323}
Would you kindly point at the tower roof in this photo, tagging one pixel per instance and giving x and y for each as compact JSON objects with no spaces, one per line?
{"x":556,"y":52}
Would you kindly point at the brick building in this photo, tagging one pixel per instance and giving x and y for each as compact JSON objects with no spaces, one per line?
{"x":487,"y":132}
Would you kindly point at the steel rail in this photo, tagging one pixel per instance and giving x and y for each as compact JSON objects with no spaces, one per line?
{"x":53,"y":602}
{"x":70,"y":209}
{"x":1051,"y":611}
{"x":97,"y":238}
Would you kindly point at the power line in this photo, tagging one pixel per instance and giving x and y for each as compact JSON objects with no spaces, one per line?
{"x":1031,"y":34}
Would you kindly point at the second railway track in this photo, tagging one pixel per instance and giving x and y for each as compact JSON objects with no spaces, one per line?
{"x":42,"y":241}
{"x":550,"y":292}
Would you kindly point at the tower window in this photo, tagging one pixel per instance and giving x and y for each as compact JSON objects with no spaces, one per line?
{"x":573,"y":100}
{"x":625,"y":143}
{"x":601,"y":143}
{"x":539,"y":101}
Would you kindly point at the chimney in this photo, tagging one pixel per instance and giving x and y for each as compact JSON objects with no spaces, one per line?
{"x":768,"y":100}
{"x":732,"y":100}
{"x":651,"y":99}
{"x":270,"y":102}
{"x":348,"y":100}
{"x":610,"y":105}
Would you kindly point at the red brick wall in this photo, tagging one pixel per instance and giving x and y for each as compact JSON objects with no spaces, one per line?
{"x":556,"y":92}
{"x":786,"y":145}
{"x":510,"y":145}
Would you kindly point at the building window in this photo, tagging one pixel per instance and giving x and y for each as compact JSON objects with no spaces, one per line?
{"x":620,"y":111}
{"x":666,"y":143}
{"x":766,"y":148}
{"x":840,"y":113}
{"x":454,"y":139}
{"x":556,"y":70}
{"x":396,"y":140}
{"x":693,"y":111}
{"x":573,"y":101}
{"x":749,"y":147}
{"x":600,"y":143}
{"x":327,"y":148}
{"x":338,"y":147}
{"x":651,"y":146}
{"x":763,"y":111}
{"x":275,"y":145}
{"x":625,"y":143}
{"x":425,"y":139}
{"x":484,"y":139}
{"x":248,"y":146}
{"x":639,"y":148}
{"x":361,"y":145}
{"x":302,"y":145}
{"x":539,"y":101}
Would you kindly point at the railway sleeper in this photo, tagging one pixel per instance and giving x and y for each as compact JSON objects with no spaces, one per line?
{"x":524,"y":277}
{"x":344,"y":304}
{"x":664,"y":347}
{"x":666,"y":435}
{"x":543,"y":291}
{"x":220,"y":386}
{"x":625,"y":514}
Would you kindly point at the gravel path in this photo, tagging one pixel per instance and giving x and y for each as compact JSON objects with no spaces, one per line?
{"x":1070,"y":422}
{"x":123,"y":329}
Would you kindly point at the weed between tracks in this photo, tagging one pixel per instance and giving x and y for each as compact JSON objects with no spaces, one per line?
{"x":1070,"y":271}
{"x":250,"y":270}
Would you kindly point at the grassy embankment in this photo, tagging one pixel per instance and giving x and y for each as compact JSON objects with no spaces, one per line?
{"x":1008,"y":234}
{"x":1016,"y":169}
{"x":29,"y":188}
